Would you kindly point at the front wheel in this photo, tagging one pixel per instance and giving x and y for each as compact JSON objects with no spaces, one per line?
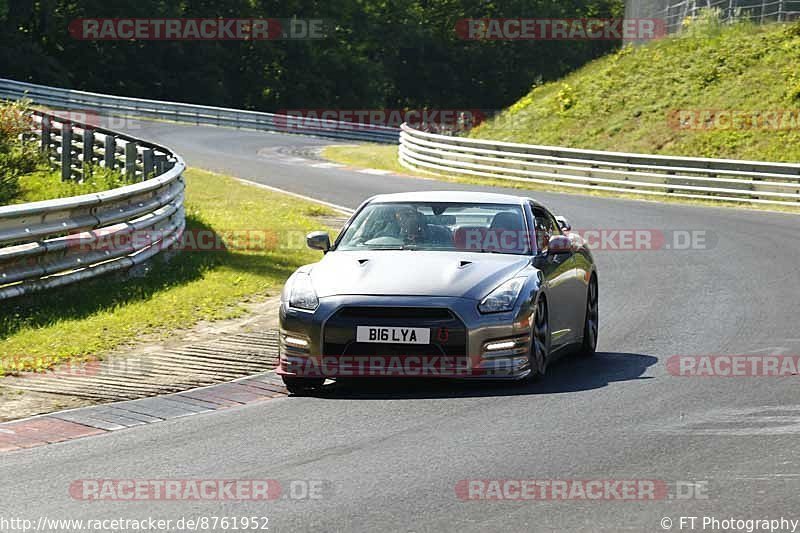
{"x":301,"y":385}
{"x":590,"y":326}
{"x":540,"y":341}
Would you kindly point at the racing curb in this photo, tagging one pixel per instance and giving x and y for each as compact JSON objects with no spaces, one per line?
{"x":73,"y":424}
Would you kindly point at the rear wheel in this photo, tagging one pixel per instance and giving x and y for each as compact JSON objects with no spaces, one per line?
{"x":302,"y":385}
{"x":540,"y":341}
{"x":590,"y":327}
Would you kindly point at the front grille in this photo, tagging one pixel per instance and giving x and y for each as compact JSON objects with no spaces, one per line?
{"x":402,"y":313}
{"x":448,"y":333}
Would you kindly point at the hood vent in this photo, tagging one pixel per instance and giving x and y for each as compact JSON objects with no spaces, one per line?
{"x":363,"y":262}
{"x":464,"y":264}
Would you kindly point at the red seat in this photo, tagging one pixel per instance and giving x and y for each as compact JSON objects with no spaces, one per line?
{"x":470,"y":238}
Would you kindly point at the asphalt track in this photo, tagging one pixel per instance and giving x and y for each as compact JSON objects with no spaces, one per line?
{"x":392,"y":454}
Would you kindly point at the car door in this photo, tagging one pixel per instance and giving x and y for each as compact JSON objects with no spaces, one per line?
{"x":559,"y":276}
{"x":575,"y":302}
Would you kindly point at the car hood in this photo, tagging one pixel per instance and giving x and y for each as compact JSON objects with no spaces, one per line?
{"x":413,"y":273}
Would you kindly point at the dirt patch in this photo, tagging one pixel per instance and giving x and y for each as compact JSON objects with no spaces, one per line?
{"x":16,"y":403}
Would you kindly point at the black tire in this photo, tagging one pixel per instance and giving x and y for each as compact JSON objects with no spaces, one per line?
{"x":302,"y":385}
{"x":540,"y":341}
{"x":591,"y":322}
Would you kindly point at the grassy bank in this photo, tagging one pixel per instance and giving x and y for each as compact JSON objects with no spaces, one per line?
{"x":89,"y":319}
{"x":632,"y":100}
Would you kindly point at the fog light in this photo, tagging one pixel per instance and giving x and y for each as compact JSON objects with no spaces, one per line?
{"x":504,"y":345}
{"x":295,"y":342}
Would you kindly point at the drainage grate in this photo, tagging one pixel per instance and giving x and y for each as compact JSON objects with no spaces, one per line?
{"x":161,"y":372}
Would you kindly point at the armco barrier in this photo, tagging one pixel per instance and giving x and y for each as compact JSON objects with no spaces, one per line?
{"x":647,"y":175}
{"x":53,"y":243}
{"x":194,"y":114}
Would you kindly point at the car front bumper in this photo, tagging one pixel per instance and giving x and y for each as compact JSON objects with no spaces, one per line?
{"x":465,"y":345}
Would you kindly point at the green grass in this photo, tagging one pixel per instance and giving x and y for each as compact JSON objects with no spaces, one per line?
{"x":380,"y":156}
{"x":624,"y":101}
{"x":45,"y":184}
{"x":25,"y":172}
{"x":90,"y":319}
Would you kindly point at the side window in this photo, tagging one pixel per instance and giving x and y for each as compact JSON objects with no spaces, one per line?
{"x":554,"y":224}
{"x":545,"y":227}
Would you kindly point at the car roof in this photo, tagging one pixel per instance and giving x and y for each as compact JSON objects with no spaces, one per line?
{"x":450,"y":196}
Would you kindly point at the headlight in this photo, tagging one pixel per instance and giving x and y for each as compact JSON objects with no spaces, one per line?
{"x":503,"y":297}
{"x":302,"y":294}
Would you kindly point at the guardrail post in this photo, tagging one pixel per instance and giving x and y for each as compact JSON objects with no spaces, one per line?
{"x":147,"y":162}
{"x":110,"y":147}
{"x":36,"y":226}
{"x":47,"y":131}
{"x":88,"y":146}
{"x":66,"y":151}
{"x":131,"y":153}
{"x":161,"y":164}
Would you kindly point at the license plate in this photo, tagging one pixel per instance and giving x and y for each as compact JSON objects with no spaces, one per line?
{"x":393,"y":335}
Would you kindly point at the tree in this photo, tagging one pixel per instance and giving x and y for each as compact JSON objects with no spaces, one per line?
{"x":377,"y":53}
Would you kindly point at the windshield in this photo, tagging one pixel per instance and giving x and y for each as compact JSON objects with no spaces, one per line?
{"x":473,"y":227}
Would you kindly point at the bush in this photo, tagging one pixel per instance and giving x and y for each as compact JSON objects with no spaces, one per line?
{"x":566,"y":98}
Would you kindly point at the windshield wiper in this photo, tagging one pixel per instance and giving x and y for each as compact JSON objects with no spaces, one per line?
{"x":491,"y":251}
{"x":385,"y":247}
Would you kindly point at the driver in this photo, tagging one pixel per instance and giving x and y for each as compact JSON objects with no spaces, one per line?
{"x":411,"y":225}
{"x":414,"y":229}
{"x":406,"y":224}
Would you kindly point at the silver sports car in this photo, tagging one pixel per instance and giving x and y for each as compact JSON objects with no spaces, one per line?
{"x":439,"y":284}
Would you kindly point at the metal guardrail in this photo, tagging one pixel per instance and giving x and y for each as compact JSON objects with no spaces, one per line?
{"x":195,"y":114}
{"x":728,"y":180}
{"x":53,"y":243}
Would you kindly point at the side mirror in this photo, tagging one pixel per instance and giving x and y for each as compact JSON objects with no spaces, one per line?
{"x":559,"y":244}
{"x":563,"y":223}
{"x":319,"y":240}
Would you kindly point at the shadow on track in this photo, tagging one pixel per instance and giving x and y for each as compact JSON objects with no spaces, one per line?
{"x":570,"y":374}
